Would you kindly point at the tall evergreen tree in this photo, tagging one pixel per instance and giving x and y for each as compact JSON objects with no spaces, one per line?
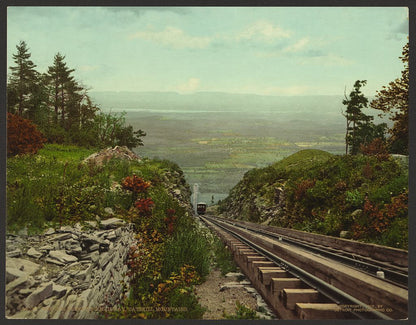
{"x":394,"y":100}
{"x":60,"y":80}
{"x":355,"y":117}
{"x":23,"y":81}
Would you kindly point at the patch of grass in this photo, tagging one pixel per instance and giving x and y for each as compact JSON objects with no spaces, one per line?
{"x":187,"y":246}
{"x":65,"y":152}
{"x":242,"y":312}
{"x":223,"y":257}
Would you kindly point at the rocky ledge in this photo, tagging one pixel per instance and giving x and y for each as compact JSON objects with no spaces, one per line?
{"x":71,"y":272}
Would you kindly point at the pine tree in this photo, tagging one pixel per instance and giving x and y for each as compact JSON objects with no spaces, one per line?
{"x":23,"y":81}
{"x":355,"y":117}
{"x":394,"y":100}
{"x":59,"y":80}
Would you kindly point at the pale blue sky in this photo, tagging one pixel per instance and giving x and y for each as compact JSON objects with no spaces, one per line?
{"x":272,"y":51}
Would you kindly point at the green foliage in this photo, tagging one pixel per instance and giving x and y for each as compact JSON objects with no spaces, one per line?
{"x":23,"y":82}
{"x":223,"y":257}
{"x":61,"y":107}
{"x":326,"y":195}
{"x":187,"y":246}
{"x":398,"y":234}
{"x":171,"y":254}
{"x":354,"y":198}
{"x":242,"y":312}
{"x":360,"y":128}
{"x":394,"y":101}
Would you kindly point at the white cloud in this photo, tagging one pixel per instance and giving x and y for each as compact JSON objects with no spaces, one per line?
{"x":263,"y":31}
{"x":296,"y":47}
{"x":189,"y":86}
{"x":173,"y":37}
{"x":327,"y":60}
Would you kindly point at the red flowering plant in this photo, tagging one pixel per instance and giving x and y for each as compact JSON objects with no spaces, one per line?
{"x":136,"y":185}
{"x":145,"y":206}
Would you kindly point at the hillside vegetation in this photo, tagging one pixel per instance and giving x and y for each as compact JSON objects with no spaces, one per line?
{"x":363,"y":196}
{"x":57,"y":187}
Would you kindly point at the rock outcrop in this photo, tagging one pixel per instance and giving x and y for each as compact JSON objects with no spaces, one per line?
{"x":67,"y":273}
{"x":105,"y":155}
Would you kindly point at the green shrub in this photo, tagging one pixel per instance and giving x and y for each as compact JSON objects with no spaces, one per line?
{"x":397,"y":235}
{"x":354,"y":198}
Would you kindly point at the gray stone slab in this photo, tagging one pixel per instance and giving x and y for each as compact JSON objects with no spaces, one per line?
{"x":60,"y":236}
{"x":50,"y":231}
{"x":21,"y":281}
{"x":39,"y":295}
{"x":23,"y":265}
{"x":59,"y":291}
{"x":32,"y":252}
{"x":111,"y":235}
{"x":112,"y":223}
{"x":62,"y":256}
{"x":53,"y":261}
{"x":13,"y":273}
{"x":14,"y":253}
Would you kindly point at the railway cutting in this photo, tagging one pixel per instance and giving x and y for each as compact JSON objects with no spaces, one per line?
{"x":307,"y":276}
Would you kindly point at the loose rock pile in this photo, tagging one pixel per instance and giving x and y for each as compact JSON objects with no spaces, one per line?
{"x":105,"y":155}
{"x":67,"y":273}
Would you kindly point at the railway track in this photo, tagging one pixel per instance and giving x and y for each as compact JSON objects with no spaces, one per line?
{"x":304,"y":280}
{"x":394,"y":274}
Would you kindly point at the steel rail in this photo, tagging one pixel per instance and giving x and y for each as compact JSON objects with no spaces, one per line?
{"x":391,"y":276}
{"x":332,"y":293}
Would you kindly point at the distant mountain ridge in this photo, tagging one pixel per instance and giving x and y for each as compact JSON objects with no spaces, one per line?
{"x":131,"y":99}
{"x":289,"y":107}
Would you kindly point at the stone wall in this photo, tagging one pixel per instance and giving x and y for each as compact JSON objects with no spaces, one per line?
{"x":72,"y":272}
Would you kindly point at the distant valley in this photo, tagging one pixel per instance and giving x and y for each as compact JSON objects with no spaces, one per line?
{"x":217,"y":137}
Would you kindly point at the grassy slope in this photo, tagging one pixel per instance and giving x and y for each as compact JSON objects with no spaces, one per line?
{"x":53,"y":188}
{"x":315,"y":191}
